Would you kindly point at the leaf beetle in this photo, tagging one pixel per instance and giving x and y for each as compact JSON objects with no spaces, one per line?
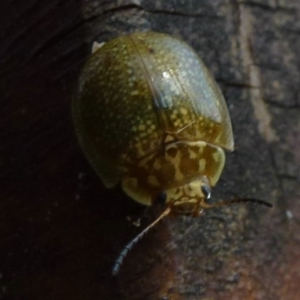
{"x":149,"y":114}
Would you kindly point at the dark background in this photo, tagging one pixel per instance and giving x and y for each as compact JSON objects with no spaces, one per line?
{"x":61,"y":231}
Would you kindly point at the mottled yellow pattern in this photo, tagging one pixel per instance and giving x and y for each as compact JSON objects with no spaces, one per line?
{"x":177,"y":165}
{"x":148,"y":112}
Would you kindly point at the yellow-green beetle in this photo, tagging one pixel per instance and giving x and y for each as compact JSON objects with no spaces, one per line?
{"x":149,"y":114}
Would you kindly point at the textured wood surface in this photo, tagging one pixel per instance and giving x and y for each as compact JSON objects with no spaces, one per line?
{"x":60,"y":230}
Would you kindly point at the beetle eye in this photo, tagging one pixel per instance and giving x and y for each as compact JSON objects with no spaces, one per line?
{"x":206,"y":191}
{"x":161,"y":198}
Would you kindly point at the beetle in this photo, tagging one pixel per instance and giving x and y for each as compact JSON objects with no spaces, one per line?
{"x":150,"y":115}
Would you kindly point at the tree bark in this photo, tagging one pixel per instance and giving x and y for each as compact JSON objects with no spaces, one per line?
{"x":61,"y":230}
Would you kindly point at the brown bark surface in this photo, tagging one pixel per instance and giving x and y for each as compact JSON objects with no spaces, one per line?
{"x":61,"y":231}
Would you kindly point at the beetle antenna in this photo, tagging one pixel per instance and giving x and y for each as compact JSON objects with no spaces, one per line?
{"x":130,"y":245}
{"x":238,"y":200}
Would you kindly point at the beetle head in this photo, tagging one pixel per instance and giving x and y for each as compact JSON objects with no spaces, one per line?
{"x":189,"y":198}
